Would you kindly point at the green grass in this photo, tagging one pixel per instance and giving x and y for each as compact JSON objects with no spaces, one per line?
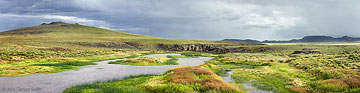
{"x":172,"y":56}
{"x":78,"y":37}
{"x":280,"y":71}
{"x":52,"y":65}
{"x":278,"y":78}
{"x":162,"y":83}
{"x":332,"y":87}
{"x":62,"y":47}
{"x":21,"y":48}
{"x":262,"y":80}
{"x":127,"y":85}
{"x":196,"y":54}
{"x":302,"y":73}
{"x":161,"y":61}
{"x":67,"y":65}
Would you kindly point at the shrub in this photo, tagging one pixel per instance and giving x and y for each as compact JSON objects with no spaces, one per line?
{"x":352,"y":82}
{"x":248,"y":59}
{"x":356,"y":90}
{"x":299,"y":90}
{"x":59,"y":49}
{"x":139,"y":60}
{"x":323,"y":60}
{"x":215,"y":84}
{"x":333,"y":85}
{"x":354,"y":57}
{"x":322,"y":73}
{"x":157,"y":84}
{"x":2,"y":62}
{"x":200,"y":75}
{"x":335,"y":81}
{"x":183,"y":76}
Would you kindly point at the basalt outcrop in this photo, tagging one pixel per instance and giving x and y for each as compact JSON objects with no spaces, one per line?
{"x":306,"y":51}
{"x":188,"y":47}
{"x":210,"y":48}
{"x":250,"y":50}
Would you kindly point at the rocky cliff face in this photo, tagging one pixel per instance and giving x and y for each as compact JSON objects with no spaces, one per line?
{"x":210,"y":48}
{"x":306,"y":51}
{"x":250,"y":50}
{"x":187,"y":47}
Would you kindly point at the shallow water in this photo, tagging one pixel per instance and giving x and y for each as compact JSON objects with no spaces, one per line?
{"x":227,"y":77}
{"x":57,"y":82}
{"x":248,"y":86}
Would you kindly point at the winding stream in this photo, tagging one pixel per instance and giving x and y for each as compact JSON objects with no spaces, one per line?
{"x":248,"y":86}
{"x":57,"y":82}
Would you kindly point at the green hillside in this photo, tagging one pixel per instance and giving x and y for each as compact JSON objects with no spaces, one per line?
{"x":63,"y":36}
{"x":70,"y":35}
{"x":61,"y":46}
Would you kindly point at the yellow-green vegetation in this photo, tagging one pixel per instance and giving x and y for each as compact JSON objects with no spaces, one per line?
{"x":50,"y":65}
{"x":254,"y":59}
{"x":279,"y":71}
{"x":60,"y":47}
{"x":41,"y":49}
{"x":148,"y":61}
{"x":196,"y":54}
{"x":172,"y":56}
{"x":128,"y":85}
{"x":187,"y":79}
{"x":284,"y":49}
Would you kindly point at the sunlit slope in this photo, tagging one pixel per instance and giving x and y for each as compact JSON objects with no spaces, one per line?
{"x":74,"y":35}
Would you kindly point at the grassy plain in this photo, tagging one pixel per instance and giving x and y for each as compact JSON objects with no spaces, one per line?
{"x":187,"y":79}
{"x":60,"y":47}
{"x":283,"y":72}
{"x":335,"y":69}
{"x":148,"y":61}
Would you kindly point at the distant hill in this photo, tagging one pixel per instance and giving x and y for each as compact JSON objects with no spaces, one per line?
{"x":304,"y":39}
{"x":62,"y":40}
{"x":65,"y":35}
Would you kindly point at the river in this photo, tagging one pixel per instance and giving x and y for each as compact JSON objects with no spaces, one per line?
{"x":57,"y":82}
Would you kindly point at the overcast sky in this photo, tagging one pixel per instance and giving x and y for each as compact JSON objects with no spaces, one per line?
{"x":194,"y":19}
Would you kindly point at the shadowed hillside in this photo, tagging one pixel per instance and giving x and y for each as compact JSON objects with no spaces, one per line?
{"x":59,"y":39}
{"x":59,"y":46}
{"x":60,"y":34}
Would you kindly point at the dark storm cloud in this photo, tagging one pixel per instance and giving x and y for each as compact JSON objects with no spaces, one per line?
{"x":39,"y":6}
{"x":194,"y":19}
{"x":23,"y":13}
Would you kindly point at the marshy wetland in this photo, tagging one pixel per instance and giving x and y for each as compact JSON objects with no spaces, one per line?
{"x":101,"y":71}
{"x":69,"y":58}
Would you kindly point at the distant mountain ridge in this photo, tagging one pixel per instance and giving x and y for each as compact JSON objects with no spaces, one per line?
{"x":304,"y":39}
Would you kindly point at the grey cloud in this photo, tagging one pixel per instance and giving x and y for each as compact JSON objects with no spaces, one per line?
{"x":39,"y":6}
{"x":198,"y":19}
